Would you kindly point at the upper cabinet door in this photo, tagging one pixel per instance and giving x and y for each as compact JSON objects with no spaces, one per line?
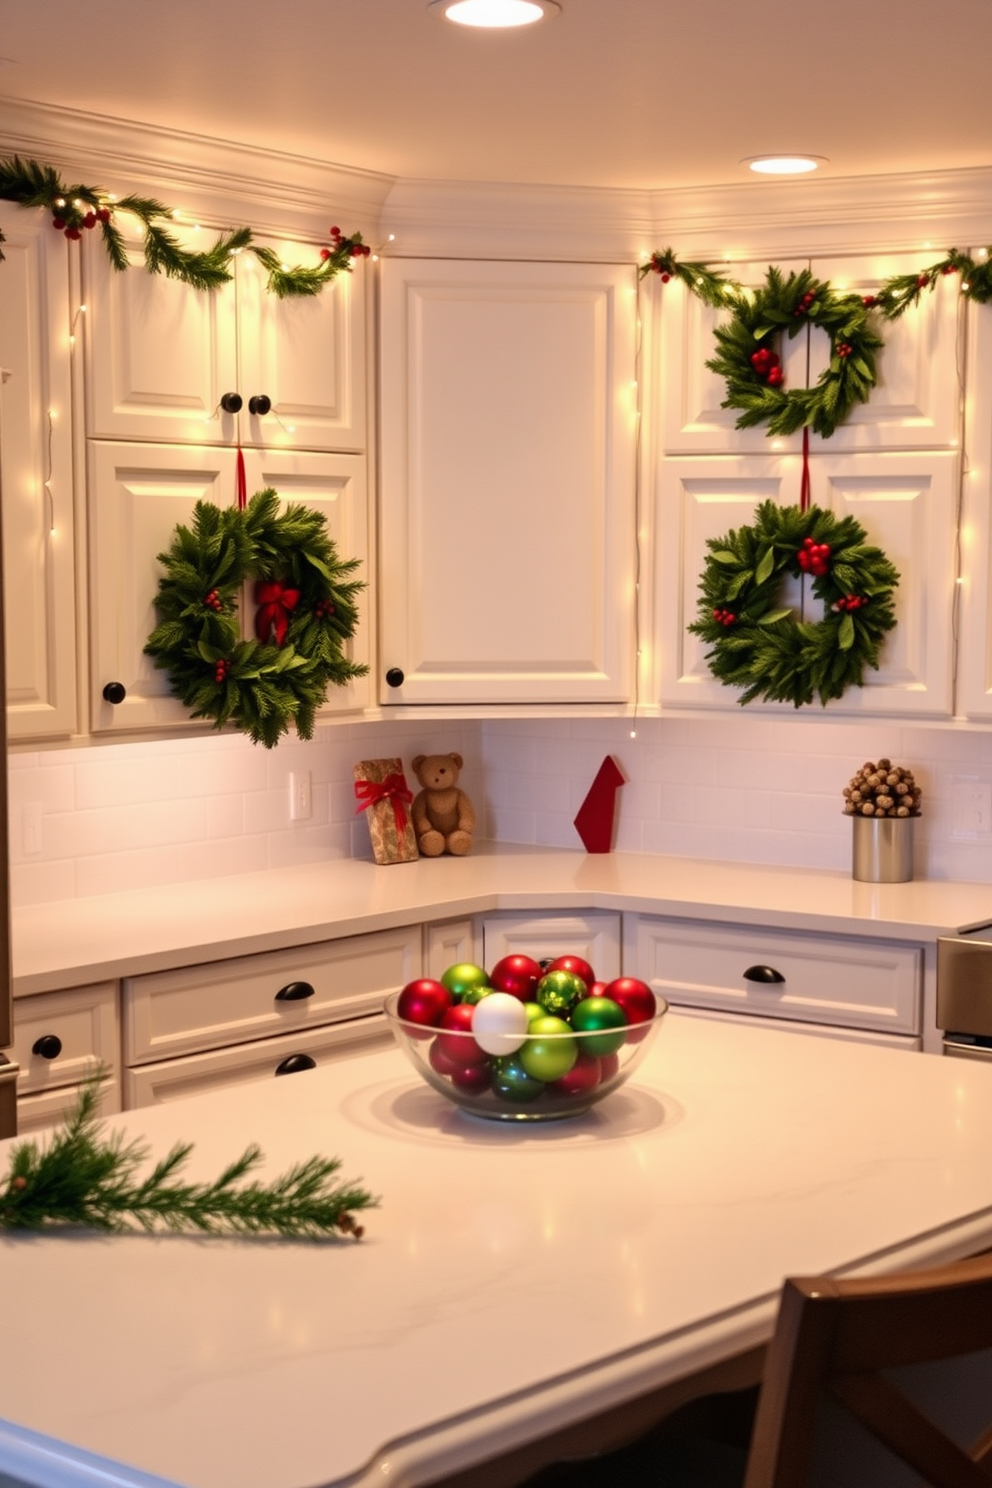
{"x":306,"y":355}
{"x":36,"y":478}
{"x":915,"y":405}
{"x":906,"y":504}
{"x":161,"y":356}
{"x":507,"y":481}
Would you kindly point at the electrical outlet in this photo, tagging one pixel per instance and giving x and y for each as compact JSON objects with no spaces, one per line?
{"x":971,"y":805}
{"x":300,"y":796}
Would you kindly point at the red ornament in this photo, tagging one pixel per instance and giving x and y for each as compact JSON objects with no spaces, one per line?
{"x":457,"y":1046}
{"x":423,"y":1001}
{"x":471,"y":1077}
{"x":518,"y":975}
{"x":584,"y":1076}
{"x":577,"y":966}
{"x":635,"y":997}
{"x":609,"y":1065}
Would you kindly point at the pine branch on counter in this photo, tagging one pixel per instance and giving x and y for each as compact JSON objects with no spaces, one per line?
{"x":81,"y":1179}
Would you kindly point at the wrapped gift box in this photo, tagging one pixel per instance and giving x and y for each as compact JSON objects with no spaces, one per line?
{"x":383,"y":794}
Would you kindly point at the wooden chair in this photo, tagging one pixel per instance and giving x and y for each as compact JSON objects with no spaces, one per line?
{"x":833,"y":1340}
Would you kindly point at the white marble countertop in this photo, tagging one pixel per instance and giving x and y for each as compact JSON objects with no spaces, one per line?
{"x":83,"y":940}
{"x":513,"y":1279}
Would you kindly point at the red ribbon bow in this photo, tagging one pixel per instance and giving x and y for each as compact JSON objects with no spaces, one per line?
{"x":275,"y":605}
{"x":394,"y":788}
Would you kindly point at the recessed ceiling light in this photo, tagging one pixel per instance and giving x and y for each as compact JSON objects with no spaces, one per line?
{"x":495,"y":14}
{"x":784,"y":165}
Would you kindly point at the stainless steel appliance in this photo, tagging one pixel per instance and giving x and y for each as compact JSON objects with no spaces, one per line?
{"x":964,"y":992}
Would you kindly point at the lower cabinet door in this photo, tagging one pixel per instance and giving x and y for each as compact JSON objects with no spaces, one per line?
{"x":293,"y":1053}
{"x":593,"y":935}
{"x":35,"y":1112}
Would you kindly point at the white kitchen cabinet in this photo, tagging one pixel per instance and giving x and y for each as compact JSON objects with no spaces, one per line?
{"x":196,"y":1074}
{"x":905,"y":501}
{"x":160,"y":356}
{"x":508,"y":423}
{"x":915,"y":405}
{"x":974,"y":679}
{"x":138,"y":493}
{"x":451,"y":943}
{"x":840,"y":982}
{"x":60,"y":1040}
{"x":36,"y":321}
{"x":592,"y":934}
{"x":220,"y":1003}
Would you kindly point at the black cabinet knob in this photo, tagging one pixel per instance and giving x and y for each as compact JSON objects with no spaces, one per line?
{"x":293,"y":1063}
{"x":49,"y":1046}
{"x":232,"y":402}
{"x":763,"y":974}
{"x":395,"y":677}
{"x":294,"y":992}
{"x":260,"y":405}
{"x":115,"y":692}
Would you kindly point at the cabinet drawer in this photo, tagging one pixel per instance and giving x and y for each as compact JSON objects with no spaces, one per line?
{"x":169,"y":1013}
{"x":199,"y":1073}
{"x":848,"y":982}
{"x":595,"y":936}
{"x":35,"y":1112}
{"x":75,"y":1029}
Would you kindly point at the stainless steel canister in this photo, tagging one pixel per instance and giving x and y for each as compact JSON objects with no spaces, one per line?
{"x":883,"y":849}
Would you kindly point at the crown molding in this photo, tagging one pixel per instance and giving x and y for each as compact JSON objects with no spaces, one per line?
{"x":472,"y":219}
{"x":276,"y":190}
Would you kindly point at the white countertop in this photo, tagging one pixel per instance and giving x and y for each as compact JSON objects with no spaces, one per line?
{"x":83,"y":940}
{"x":513,"y":1279}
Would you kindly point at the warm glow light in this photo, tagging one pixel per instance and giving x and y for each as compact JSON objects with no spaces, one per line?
{"x":784,"y":165}
{"x":493,"y":14}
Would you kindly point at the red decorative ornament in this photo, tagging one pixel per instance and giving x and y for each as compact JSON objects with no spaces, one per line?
{"x":584,"y":1076}
{"x":724,"y":617}
{"x":221,"y":670}
{"x":518,"y":975}
{"x":848,"y":603}
{"x":423,"y":1001}
{"x":805,"y":304}
{"x":276,"y":603}
{"x":577,"y":966}
{"x":457,"y":1048}
{"x":213,"y":601}
{"x":635,"y":997}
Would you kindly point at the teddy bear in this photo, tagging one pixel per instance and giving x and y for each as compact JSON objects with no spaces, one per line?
{"x":443,"y":819}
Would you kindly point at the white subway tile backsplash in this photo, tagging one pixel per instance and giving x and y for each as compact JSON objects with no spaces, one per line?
{"x":762,"y":788}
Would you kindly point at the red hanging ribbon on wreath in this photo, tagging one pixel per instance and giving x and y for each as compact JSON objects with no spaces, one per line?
{"x":241,"y":481}
{"x":276,"y":603}
{"x":394,"y":788}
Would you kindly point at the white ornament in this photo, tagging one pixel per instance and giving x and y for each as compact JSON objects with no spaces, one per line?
{"x":499,"y":1023}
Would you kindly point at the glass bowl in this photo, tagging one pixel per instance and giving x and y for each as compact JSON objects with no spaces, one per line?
{"x":504,"y":1087}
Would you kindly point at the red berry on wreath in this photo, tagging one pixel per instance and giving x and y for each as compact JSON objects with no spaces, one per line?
{"x":89,"y":220}
{"x":665,"y":276}
{"x":103,"y":215}
{"x":59,"y":224}
{"x":868,"y":301}
{"x":775,"y":377}
{"x":325,"y":253}
{"x":73,"y":233}
{"x":922,"y":282}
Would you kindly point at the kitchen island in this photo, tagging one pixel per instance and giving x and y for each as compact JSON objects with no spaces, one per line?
{"x":516,"y":1283}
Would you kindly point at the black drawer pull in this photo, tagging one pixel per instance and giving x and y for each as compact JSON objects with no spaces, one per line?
{"x":294,"y":992}
{"x":49,"y":1046}
{"x":294,"y":1063}
{"x":764,"y":974}
{"x":232,"y":402}
{"x":395,"y":677}
{"x":114,"y":692}
{"x":260,"y":404}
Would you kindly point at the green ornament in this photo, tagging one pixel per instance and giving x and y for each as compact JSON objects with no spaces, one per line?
{"x":463,"y":979}
{"x":511,"y":1082}
{"x":593,"y":1014}
{"x":533,"y":1010}
{"x":550,"y":1051}
{"x":559,"y":991}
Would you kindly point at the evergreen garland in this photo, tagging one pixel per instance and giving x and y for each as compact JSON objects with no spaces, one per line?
{"x":261,"y":686}
{"x":77,"y":208}
{"x":79,"y":1179}
{"x":762,"y":648}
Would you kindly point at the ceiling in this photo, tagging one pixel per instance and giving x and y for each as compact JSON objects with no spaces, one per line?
{"x":623,"y":93}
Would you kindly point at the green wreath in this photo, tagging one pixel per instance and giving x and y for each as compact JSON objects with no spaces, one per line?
{"x":748,"y":361}
{"x":764,"y":649}
{"x":306,"y":611}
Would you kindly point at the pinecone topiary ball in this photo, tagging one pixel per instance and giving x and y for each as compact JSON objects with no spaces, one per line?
{"x":882,"y":789}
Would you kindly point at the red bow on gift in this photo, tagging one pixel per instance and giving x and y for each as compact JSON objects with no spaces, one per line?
{"x":394,"y":788}
{"x":275,"y":606}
